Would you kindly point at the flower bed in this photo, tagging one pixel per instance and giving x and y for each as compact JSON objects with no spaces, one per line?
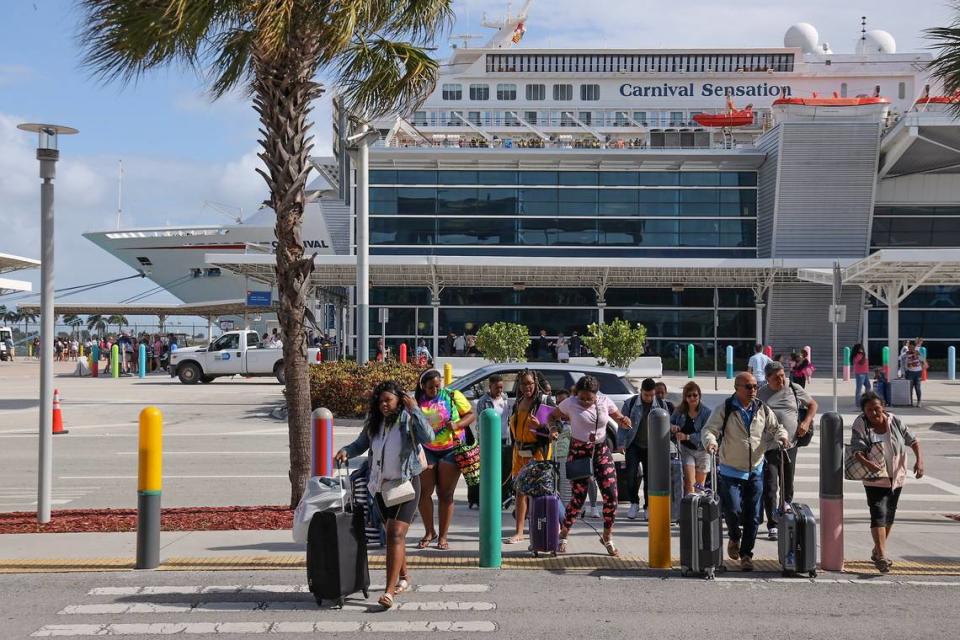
{"x":174,"y":519}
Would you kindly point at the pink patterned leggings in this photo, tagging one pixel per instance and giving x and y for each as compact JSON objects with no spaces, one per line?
{"x":606,"y":475}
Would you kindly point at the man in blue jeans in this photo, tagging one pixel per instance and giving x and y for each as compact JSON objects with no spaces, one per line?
{"x":742,"y":430}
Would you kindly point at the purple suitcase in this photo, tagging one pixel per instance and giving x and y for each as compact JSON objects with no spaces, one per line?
{"x":546,"y":512}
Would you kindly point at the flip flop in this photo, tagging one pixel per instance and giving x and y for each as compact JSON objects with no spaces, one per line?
{"x":611,"y":548}
{"x":386,"y":601}
{"x":425,"y":542}
{"x":443,"y":546}
{"x":402,"y":585}
{"x":513,"y":540}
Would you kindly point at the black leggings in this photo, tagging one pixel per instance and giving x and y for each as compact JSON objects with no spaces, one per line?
{"x":403,"y":512}
{"x":882,"y":502}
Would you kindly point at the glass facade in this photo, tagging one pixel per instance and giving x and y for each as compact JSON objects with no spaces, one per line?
{"x":917,"y":226}
{"x":709,"y":213}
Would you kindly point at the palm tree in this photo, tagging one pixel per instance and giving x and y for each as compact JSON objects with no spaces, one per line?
{"x":73,"y":321}
{"x":118,"y":320}
{"x":97,"y":323}
{"x":274,"y":50}
{"x":26,"y":318}
{"x":945,"y":67}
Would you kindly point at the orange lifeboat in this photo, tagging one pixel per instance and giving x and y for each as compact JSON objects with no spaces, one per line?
{"x":926,"y":98}
{"x":834,"y":101}
{"x":733,"y":117}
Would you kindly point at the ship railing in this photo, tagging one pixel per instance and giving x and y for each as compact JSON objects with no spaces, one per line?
{"x":478,"y":143}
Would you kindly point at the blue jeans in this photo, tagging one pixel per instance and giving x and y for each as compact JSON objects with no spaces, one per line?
{"x":914,"y":377}
{"x":742,"y":505}
{"x":863,"y":382}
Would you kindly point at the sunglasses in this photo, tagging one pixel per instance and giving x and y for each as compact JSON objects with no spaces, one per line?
{"x":750,"y":387}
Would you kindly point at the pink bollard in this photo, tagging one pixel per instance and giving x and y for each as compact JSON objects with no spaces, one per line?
{"x":321,"y":463}
{"x":831,"y":534}
{"x":403,"y":353}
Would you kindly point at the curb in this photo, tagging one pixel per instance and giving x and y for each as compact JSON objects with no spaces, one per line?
{"x":455,"y":560}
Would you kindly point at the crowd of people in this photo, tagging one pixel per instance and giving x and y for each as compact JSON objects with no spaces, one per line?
{"x":752,"y":437}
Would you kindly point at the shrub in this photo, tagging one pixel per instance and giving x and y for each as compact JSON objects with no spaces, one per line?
{"x":503,"y":342}
{"x":617,"y":343}
{"x":344,"y":387}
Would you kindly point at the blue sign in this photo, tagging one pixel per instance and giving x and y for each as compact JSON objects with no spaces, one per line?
{"x":259,"y":298}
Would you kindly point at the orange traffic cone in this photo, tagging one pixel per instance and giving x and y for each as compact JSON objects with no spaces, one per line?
{"x":57,"y":414}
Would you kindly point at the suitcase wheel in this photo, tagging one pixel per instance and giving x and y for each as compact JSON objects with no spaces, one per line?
{"x":813,"y":573}
{"x":536,"y":554}
{"x":319,"y":600}
{"x":366,"y":594}
{"x":684,"y":573}
{"x":786,"y":574}
{"x":340,"y":603}
{"x":554,"y":554}
{"x":710,"y":575}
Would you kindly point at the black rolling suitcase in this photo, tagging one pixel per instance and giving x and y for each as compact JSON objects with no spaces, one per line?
{"x":701,"y":537}
{"x":797,"y":543}
{"x":337,"y":553}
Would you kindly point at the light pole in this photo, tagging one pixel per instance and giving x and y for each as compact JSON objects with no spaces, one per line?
{"x":47,"y":154}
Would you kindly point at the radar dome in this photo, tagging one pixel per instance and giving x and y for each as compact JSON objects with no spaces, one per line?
{"x":876,"y":41}
{"x":802,"y":36}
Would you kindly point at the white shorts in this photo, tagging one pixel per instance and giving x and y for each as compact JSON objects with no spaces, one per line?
{"x":697,"y":458}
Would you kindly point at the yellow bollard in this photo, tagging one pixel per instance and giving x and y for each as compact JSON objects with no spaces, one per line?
{"x":29,"y":349}
{"x":80,"y":353}
{"x":447,"y":374}
{"x":149,"y":486}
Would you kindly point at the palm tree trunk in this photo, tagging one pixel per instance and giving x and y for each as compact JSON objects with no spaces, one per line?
{"x":283,"y":89}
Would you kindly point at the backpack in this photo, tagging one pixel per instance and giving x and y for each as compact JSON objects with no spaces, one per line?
{"x":728,"y":409}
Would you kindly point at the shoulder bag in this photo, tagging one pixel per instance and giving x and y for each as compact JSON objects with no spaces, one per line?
{"x":806,"y":438}
{"x":582,"y":468}
{"x":853,"y":469}
{"x":394,"y":492}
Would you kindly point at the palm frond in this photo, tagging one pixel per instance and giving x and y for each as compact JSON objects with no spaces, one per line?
{"x":381,"y":76}
{"x":421,"y":21}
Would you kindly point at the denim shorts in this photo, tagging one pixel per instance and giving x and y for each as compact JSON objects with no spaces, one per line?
{"x":697,"y":458}
{"x":436,"y":457}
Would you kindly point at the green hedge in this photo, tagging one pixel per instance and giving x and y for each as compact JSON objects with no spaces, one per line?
{"x":344,"y":387}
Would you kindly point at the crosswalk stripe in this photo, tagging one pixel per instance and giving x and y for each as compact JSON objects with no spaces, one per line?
{"x":254,"y":589}
{"x":118,"y":608}
{"x":198,"y":628}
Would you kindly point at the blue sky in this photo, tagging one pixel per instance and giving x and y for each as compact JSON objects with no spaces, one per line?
{"x":179,"y":149}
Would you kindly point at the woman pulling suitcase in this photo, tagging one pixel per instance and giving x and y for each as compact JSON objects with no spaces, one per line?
{"x":394,"y":432}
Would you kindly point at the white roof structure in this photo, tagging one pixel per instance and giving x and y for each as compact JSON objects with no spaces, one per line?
{"x":10,"y":263}
{"x":511,"y":271}
{"x":905,"y":268}
{"x":203,"y":309}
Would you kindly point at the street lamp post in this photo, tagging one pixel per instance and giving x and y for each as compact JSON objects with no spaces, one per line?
{"x":359,"y":147}
{"x":47,"y":154}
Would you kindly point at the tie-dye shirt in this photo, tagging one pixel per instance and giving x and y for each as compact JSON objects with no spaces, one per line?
{"x":441,"y":412}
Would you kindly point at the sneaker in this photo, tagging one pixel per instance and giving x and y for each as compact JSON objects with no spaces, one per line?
{"x":595,"y":512}
{"x":633,"y":511}
{"x":772,"y":533}
{"x":643,"y":515}
{"x":746,"y":563}
{"x":733,"y":549}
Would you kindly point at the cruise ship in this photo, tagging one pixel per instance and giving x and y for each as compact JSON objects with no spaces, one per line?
{"x":788,"y":154}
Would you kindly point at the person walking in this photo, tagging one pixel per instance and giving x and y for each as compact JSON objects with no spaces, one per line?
{"x":861,"y":371}
{"x":913,"y":369}
{"x":633,"y":440}
{"x":11,"y":349}
{"x":758,"y":363}
{"x":588,"y":411}
{"x":661,"y":392}
{"x":796,"y":410}
{"x":528,"y":432}
{"x":686,"y":424}
{"x":460,"y":345}
{"x":422,"y":352}
{"x":543,"y":346}
{"x":877,"y":428}
{"x":741,"y":432}
{"x":497,"y":400}
{"x":576,"y":345}
{"x":563,"y":349}
{"x":393,"y":434}
{"x":448,"y":413}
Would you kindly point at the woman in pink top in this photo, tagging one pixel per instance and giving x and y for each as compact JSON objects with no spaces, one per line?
{"x":587,"y":412}
{"x":880,"y":436}
{"x":861,"y":371}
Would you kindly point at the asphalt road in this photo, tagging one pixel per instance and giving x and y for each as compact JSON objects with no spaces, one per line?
{"x":477,"y":604}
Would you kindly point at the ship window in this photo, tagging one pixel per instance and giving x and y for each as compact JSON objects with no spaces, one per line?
{"x":530,"y":117}
{"x":563,"y":92}
{"x":196,"y":273}
{"x":506,"y":92}
{"x":213,"y":272}
{"x":586,"y":117}
{"x":479,"y":92}
{"x":536,"y":92}
{"x":144,"y":261}
{"x":452,"y":92}
{"x":589,"y":92}
{"x":420,"y":118}
{"x":902,"y":90}
{"x":843,"y":89}
{"x":474,"y":117}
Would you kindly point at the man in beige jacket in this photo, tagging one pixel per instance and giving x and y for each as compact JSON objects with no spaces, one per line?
{"x":742,"y":430}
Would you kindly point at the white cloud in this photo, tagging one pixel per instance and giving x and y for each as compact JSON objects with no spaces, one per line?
{"x":13,"y":73}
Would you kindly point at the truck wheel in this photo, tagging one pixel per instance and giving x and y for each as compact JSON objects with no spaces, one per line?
{"x":206,"y":379}
{"x":189,"y":373}
{"x":280,"y":373}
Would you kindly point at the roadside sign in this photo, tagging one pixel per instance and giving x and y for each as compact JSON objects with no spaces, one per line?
{"x":384,"y":315}
{"x":259,"y":298}
{"x":837,"y":313}
{"x":226,"y":325}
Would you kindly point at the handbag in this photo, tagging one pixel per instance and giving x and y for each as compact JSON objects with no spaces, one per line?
{"x":853,"y":469}
{"x":536,"y":479}
{"x":582,"y":468}
{"x":467,"y":457}
{"x":394,"y":492}
{"x":806,"y":438}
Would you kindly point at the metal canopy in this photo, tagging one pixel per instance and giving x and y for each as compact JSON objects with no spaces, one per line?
{"x":10,"y":263}
{"x":908,"y":268}
{"x":921,"y":142}
{"x":235,"y":307}
{"x":509,"y":271}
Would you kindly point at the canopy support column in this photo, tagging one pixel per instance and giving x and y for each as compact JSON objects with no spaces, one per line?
{"x":893,"y":326}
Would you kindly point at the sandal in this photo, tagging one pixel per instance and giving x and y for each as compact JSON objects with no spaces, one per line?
{"x":403,"y":584}
{"x":514,"y":540}
{"x":610,"y":547}
{"x":443,"y":546}
{"x":882,"y":564}
{"x":425,"y":541}
{"x":563,"y":546}
{"x":386,"y":601}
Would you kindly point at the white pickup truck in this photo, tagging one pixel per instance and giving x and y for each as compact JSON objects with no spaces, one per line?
{"x":5,"y":334}
{"x":233,"y":353}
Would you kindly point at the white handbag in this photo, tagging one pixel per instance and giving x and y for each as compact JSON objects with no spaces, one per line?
{"x":394,"y":492}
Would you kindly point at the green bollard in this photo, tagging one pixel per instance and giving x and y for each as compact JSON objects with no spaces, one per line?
{"x":885,"y":359}
{"x":115,"y":362}
{"x":491,"y":514}
{"x":846,"y":364}
{"x":691,"y":365}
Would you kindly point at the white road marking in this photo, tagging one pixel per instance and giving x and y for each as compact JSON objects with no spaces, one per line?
{"x":253,"y":589}
{"x":122,"y":608}
{"x":198,"y":628}
{"x":905,"y":498}
{"x":211,"y":453}
{"x":174,"y":477}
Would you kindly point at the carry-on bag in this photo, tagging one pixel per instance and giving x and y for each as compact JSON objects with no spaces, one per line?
{"x":545,"y":513}
{"x":337,"y":553}
{"x":701,"y":534}
{"x":797,"y":544}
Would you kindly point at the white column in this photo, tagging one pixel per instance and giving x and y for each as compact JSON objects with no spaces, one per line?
{"x":759,"y":319}
{"x":601,"y":306}
{"x":866,"y":329}
{"x":435,"y":301}
{"x":363,"y":253}
{"x":893,"y":327}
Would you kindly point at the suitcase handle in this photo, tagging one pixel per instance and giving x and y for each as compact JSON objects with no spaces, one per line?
{"x":783,"y":460}
{"x":341,"y":472}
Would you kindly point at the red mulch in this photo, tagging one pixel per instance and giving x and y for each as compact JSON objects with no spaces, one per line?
{"x":176,"y":519}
